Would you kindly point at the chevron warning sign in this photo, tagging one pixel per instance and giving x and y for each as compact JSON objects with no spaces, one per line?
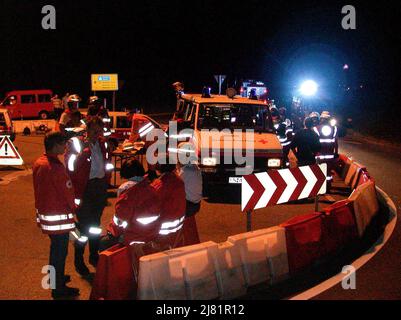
{"x":8,"y":153}
{"x":265,"y":189}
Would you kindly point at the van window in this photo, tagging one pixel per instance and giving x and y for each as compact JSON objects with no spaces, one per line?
{"x":44,"y":98}
{"x":12,"y":100}
{"x":28,"y":98}
{"x":123,"y":122}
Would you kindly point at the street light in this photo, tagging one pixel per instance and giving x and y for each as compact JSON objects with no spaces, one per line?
{"x":308,"y":88}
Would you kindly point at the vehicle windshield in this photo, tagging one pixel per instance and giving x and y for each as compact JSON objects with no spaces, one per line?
{"x":234,"y":116}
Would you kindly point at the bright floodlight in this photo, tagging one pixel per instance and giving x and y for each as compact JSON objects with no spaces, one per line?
{"x":309,"y":88}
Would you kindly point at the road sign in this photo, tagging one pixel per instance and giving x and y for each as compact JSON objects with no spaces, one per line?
{"x":8,"y":153}
{"x":104,"y":82}
{"x":220,"y":79}
{"x":280,"y":186}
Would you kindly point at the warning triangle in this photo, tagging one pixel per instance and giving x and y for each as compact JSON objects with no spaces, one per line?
{"x":8,"y":153}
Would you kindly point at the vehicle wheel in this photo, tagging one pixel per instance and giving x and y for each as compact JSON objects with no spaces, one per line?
{"x":43,"y":115}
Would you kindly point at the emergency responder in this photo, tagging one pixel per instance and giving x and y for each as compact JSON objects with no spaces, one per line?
{"x":65,"y":118}
{"x":315,"y":116}
{"x":74,"y":127}
{"x":306,"y":144}
{"x":57,"y":106}
{"x":192,"y":177}
{"x":179,"y":90}
{"x":89,"y":166}
{"x":54,"y":202}
{"x":129,"y":206}
{"x":141,"y":126}
{"x":171,"y":192}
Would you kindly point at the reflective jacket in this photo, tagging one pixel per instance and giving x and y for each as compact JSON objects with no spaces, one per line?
{"x":171,"y":191}
{"x":78,"y":162}
{"x":141,"y":126}
{"x":138,"y":214}
{"x":54,"y":196}
{"x":329,"y":141}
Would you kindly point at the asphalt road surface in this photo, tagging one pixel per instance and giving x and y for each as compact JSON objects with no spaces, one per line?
{"x":24,"y":249}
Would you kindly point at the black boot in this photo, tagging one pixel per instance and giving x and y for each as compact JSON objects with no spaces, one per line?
{"x":79,"y":263}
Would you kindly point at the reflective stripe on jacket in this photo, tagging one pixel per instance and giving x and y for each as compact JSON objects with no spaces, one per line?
{"x":54,"y":196}
{"x":78,"y":163}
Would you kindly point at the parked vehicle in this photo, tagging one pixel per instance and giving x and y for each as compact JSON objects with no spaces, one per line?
{"x":28,"y":104}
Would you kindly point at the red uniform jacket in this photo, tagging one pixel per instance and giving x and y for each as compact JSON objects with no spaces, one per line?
{"x":171,"y":191}
{"x":138,"y":213}
{"x":78,"y":162}
{"x":54,"y":196}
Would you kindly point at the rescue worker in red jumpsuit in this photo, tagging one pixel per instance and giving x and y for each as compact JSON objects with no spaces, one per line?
{"x":89,"y":165}
{"x":54,"y":202}
{"x":171,"y":191}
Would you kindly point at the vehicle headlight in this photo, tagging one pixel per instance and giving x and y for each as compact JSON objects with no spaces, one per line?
{"x":209,"y":161}
{"x":273,"y":163}
{"x":326,"y":131}
{"x":333,"y":122}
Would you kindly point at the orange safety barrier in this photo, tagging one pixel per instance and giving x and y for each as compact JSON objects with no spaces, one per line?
{"x":365,"y":204}
{"x":305,"y":241}
{"x":114,"y":279}
{"x":340,"y":226}
{"x":342,"y":165}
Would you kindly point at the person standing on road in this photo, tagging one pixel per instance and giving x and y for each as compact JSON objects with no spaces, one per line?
{"x":306,"y":144}
{"x":54,"y":202}
{"x":192,"y":177}
{"x":57,"y":106}
{"x":65,"y":118}
{"x":89,"y":166}
{"x":171,"y":191}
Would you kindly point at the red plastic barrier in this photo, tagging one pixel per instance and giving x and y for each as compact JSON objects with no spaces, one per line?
{"x":305,"y":241}
{"x":363,"y":178}
{"x":340,"y":165}
{"x":114,"y":279}
{"x":340,"y":226}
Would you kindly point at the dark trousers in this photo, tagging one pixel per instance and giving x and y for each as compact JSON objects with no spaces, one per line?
{"x":58,"y":255}
{"x":89,"y":214}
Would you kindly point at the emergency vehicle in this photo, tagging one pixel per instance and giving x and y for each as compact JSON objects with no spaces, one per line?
{"x":250,"y":87}
{"x":204,"y":112}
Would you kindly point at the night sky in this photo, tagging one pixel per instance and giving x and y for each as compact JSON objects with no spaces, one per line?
{"x":151,"y":44}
